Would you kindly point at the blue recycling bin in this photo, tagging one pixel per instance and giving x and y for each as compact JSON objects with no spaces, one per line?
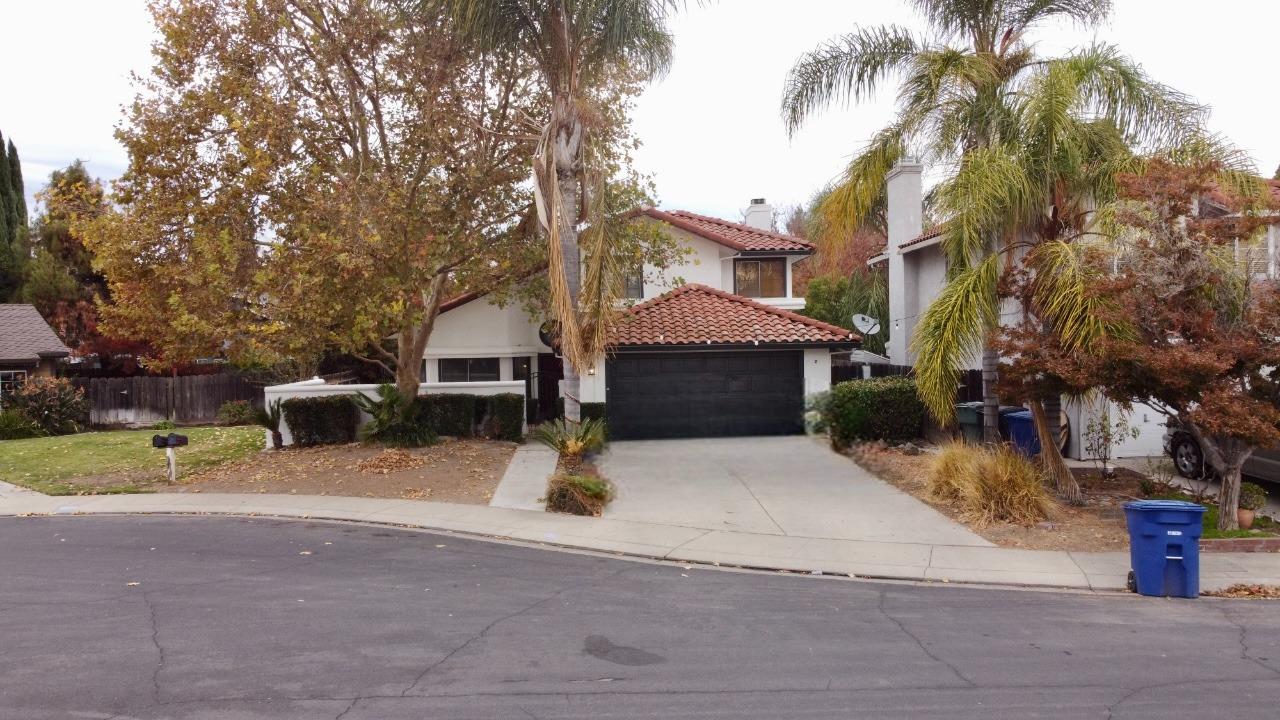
{"x":1164,"y":547}
{"x":1020,"y":427}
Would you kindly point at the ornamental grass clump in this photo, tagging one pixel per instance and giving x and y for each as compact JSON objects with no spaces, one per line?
{"x":990,"y":484}
{"x":578,"y":494}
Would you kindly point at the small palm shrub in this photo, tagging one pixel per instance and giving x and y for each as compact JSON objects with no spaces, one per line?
{"x":876,"y":409}
{"x":578,"y":494}
{"x":269,"y":417}
{"x":394,"y":419}
{"x":990,"y":484}
{"x":569,"y":439}
{"x":1252,"y":497}
{"x":16,"y":426}
{"x":236,"y":412}
{"x":54,"y":404}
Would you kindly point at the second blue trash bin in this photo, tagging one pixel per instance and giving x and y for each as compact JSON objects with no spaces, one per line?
{"x":1164,"y":547}
{"x":1021,"y":429}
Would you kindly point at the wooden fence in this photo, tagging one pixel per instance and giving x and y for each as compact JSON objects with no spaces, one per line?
{"x":970,"y":389}
{"x":144,"y":400}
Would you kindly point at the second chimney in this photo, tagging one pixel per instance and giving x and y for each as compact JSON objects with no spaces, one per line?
{"x":759,"y":215}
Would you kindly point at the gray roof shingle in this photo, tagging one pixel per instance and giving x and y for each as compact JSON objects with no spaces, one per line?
{"x":25,"y":337}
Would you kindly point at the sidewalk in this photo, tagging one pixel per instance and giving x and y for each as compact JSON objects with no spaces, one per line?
{"x":900,"y":561}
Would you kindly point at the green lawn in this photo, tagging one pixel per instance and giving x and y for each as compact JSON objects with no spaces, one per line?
{"x":53,"y":464}
{"x":1262,"y":526}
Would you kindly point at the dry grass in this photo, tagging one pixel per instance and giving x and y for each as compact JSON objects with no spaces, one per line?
{"x":578,"y":494}
{"x":990,"y":484}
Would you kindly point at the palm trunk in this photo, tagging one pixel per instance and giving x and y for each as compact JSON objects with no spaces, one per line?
{"x":990,"y":400}
{"x":1064,"y":482}
{"x":571,"y":384}
{"x":1053,"y":420}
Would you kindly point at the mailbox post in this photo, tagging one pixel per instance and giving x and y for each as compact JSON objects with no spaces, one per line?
{"x":168,"y":443}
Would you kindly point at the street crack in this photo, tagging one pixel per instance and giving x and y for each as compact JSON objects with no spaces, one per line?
{"x":920,"y":643}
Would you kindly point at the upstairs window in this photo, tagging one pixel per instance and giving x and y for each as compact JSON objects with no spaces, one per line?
{"x":468,"y":369}
{"x":764,"y":278}
{"x":634,"y":289}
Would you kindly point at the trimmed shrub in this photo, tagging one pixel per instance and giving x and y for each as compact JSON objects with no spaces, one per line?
{"x":54,"y":404}
{"x":1252,"y":497}
{"x":877,"y":409}
{"x":504,"y":417}
{"x":395,"y":420}
{"x":16,"y":426}
{"x":593,"y":411}
{"x":321,"y":420}
{"x":236,"y":412}
{"x":991,"y":484}
{"x":578,"y":494}
{"x":452,"y":414}
{"x":163,"y":425}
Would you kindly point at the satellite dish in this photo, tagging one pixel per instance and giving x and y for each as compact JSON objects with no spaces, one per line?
{"x":866,"y":324}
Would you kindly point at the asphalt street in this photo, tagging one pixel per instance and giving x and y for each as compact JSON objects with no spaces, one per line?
{"x":246,"y":618}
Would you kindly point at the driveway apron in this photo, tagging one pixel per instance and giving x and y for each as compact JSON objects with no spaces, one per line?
{"x":794,"y":486}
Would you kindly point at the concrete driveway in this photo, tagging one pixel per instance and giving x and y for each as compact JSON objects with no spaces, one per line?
{"x":794,"y":486}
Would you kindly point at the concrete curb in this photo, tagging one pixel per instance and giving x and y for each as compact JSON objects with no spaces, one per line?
{"x":872,"y":560}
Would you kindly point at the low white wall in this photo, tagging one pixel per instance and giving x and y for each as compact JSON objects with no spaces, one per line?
{"x":318,"y":388}
{"x":817,"y":370}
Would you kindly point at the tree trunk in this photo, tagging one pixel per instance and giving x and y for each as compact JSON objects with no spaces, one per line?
{"x":411,"y":343}
{"x":1229,"y":497}
{"x":1053,"y":420}
{"x":990,"y":400}
{"x":1064,"y":482}
{"x":571,"y":384}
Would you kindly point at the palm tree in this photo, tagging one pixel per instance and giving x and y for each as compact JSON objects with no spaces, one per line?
{"x":576,"y":44}
{"x":1033,"y":143}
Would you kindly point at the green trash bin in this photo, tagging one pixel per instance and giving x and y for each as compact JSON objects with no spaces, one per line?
{"x":969,"y":416}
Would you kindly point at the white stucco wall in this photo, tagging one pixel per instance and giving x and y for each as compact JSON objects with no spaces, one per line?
{"x":817,"y":370}
{"x":483,"y":329}
{"x":1148,"y":422}
{"x":706,"y":264}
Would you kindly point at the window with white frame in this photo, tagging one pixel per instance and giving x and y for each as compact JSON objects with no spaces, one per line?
{"x":10,"y":380}
{"x":468,"y":369}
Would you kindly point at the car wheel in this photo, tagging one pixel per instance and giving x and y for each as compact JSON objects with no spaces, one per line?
{"x":1187,"y":458}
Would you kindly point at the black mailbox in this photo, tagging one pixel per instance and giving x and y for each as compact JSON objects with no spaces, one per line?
{"x":168,"y":441}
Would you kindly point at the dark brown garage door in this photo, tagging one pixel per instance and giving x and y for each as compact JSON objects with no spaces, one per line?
{"x":704,"y":394}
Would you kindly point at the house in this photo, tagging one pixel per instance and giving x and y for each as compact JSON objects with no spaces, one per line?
{"x":917,"y":270}
{"x":711,"y":347}
{"x":28,"y":347}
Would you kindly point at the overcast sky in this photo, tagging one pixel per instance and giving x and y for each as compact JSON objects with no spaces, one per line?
{"x":712,"y":134}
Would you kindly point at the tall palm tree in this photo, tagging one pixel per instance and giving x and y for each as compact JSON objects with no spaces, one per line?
{"x":575,"y":44}
{"x":1016,"y":128}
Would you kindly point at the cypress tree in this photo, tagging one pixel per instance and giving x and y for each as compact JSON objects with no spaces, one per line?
{"x":16,"y":186}
{"x":6,"y":193}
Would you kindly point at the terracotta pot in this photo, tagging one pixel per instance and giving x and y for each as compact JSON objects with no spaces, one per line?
{"x":1244,"y":518}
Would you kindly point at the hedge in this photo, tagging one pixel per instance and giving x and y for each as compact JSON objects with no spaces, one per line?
{"x":321,"y":420}
{"x":877,"y":409}
{"x":504,"y":417}
{"x":455,"y":415}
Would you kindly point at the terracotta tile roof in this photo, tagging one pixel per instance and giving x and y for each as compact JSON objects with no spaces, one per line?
{"x":25,"y":337}
{"x":929,"y":234}
{"x":698,"y":315}
{"x":735,"y":236}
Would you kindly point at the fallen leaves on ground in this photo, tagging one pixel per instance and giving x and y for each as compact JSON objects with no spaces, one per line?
{"x":389,"y":461}
{"x":1255,"y":592}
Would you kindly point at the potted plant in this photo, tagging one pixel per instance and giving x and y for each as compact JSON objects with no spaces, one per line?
{"x":1252,"y":498}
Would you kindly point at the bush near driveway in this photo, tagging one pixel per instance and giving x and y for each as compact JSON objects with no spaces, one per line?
{"x":236,"y":412}
{"x":321,"y":420}
{"x":991,"y":484}
{"x":504,"y":417}
{"x":578,"y":494}
{"x":52,"y":464}
{"x":876,"y":409}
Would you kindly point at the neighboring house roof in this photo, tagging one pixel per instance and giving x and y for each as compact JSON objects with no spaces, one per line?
{"x":734,"y":236}
{"x":695,"y":314}
{"x":25,"y":337}
{"x":924,"y":237}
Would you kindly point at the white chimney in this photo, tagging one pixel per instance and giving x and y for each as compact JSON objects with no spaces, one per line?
{"x":759,"y":215}
{"x":906,"y":219}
